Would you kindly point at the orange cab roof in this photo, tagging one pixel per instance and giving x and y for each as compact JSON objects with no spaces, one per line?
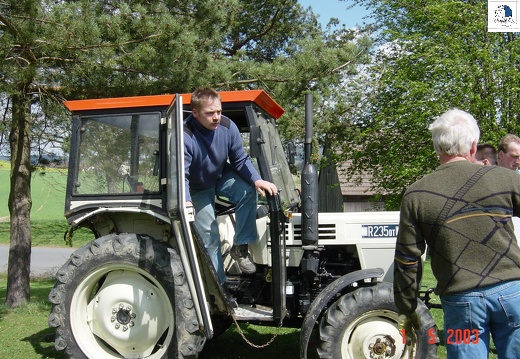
{"x":259,"y":97}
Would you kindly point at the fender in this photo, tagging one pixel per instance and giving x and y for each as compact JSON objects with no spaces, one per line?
{"x":324,"y":298}
{"x":81,"y":217}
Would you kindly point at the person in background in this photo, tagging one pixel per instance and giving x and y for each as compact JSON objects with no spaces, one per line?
{"x":216,"y":163}
{"x":509,"y":152}
{"x":462,"y":211}
{"x":486,"y":155}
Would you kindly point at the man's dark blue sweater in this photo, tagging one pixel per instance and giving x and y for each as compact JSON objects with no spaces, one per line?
{"x":206,"y":154}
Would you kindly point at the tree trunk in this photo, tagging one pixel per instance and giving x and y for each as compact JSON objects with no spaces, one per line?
{"x":20,"y":203}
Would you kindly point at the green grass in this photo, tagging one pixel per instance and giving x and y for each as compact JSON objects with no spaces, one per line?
{"x":24,"y":332}
{"x":49,"y":234}
{"x":230,"y":345}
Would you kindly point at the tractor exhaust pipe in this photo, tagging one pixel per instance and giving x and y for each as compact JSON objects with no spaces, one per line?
{"x":309,"y":183}
{"x":311,"y":255}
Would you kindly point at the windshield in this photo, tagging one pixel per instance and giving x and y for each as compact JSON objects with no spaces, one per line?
{"x":118,"y":154}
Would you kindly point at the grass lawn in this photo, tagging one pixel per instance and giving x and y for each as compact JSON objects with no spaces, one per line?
{"x":24,"y":332}
{"x":48,"y":234}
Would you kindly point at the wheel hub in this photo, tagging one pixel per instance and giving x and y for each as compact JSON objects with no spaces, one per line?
{"x":374,"y":337}
{"x":383,"y":347}
{"x":122,"y":317}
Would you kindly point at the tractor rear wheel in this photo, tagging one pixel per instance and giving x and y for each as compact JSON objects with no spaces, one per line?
{"x":124,"y":296}
{"x":363,"y":324}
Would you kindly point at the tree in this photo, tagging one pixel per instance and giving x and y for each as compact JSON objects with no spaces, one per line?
{"x":21,"y":71}
{"x":432,"y":56}
{"x":55,"y":50}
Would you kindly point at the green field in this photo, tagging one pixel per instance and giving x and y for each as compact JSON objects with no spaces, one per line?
{"x":47,"y":191}
{"x":48,"y":223}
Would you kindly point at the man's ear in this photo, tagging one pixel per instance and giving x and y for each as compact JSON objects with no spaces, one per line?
{"x":473,"y":149}
{"x":472,"y":152}
{"x":485,"y":162}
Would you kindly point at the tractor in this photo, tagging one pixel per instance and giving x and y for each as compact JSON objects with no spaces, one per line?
{"x":144,"y":287}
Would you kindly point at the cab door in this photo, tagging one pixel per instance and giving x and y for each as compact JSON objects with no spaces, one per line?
{"x":182,"y":216}
{"x":175,"y":158}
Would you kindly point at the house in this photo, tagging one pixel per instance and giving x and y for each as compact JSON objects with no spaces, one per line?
{"x":339,"y":194}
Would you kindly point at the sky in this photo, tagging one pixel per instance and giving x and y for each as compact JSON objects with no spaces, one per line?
{"x":336,"y":8}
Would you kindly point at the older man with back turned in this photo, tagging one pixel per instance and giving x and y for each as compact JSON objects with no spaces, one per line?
{"x":463,"y":212}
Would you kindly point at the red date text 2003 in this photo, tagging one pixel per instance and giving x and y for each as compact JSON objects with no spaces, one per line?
{"x":453,"y":336}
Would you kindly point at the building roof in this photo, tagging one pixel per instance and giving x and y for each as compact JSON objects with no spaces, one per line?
{"x":359,"y":185}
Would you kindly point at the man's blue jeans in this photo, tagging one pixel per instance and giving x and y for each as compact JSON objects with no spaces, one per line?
{"x":471,"y":316}
{"x":237,"y":191}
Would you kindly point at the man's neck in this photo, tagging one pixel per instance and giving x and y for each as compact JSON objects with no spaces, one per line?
{"x":443,"y":159}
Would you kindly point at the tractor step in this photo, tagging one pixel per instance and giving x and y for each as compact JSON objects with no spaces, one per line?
{"x":247,"y":312}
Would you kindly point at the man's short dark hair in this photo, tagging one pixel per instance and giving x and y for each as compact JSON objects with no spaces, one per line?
{"x":487,"y":151}
{"x":201,"y":95}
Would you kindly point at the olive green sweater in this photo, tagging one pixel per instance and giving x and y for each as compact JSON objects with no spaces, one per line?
{"x":462,"y":211}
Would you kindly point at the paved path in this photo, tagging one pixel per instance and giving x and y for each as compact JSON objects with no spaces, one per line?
{"x":45,"y":261}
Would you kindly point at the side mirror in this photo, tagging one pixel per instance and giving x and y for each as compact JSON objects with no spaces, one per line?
{"x":291,"y":153}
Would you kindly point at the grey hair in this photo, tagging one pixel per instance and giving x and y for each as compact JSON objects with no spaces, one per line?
{"x":454,"y":132}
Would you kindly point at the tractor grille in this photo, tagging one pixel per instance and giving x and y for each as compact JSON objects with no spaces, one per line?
{"x":325,"y":231}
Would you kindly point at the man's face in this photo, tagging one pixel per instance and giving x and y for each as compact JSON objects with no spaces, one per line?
{"x":209,"y":114}
{"x":511,"y":158}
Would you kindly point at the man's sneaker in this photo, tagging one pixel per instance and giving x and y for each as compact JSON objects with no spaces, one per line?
{"x":241,"y":255}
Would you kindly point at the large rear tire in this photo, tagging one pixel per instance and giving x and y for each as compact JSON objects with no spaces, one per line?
{"x":363,"y":324}
{"x":124,"y":296}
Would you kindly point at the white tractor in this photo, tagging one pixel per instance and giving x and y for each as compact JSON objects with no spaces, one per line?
{"x":145,"y":287}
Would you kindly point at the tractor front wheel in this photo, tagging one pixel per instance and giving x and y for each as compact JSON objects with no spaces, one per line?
{"x":363,"y":324}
